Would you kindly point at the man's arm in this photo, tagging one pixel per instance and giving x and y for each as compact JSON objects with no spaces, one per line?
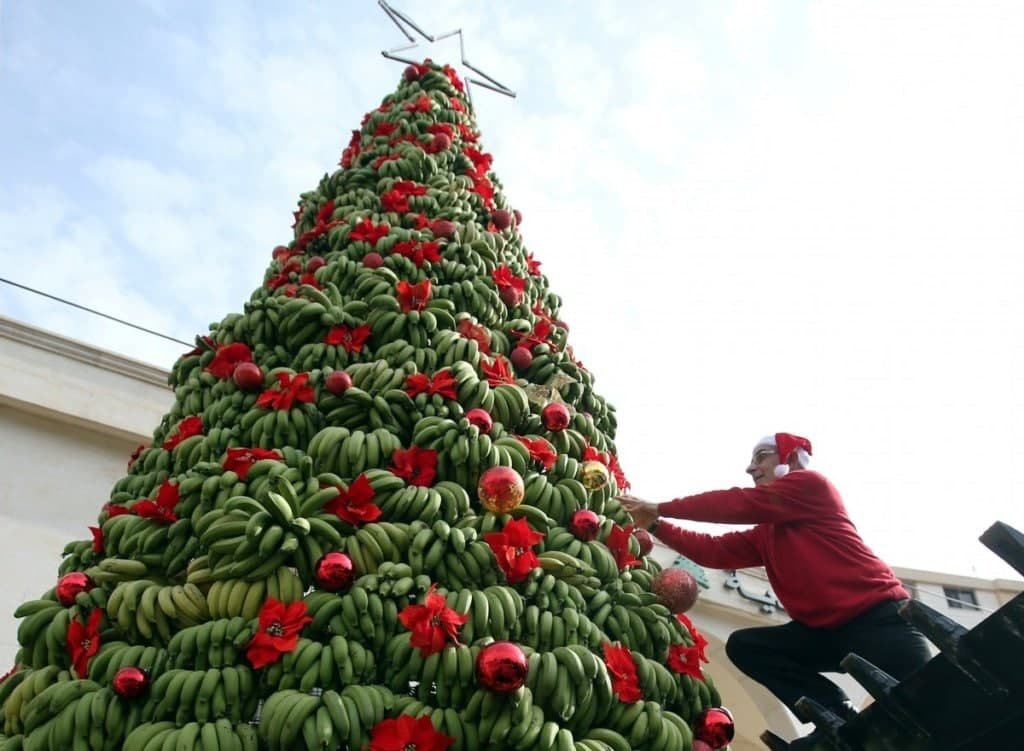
{"x":796,"y":496}
{"x":731,"y":550}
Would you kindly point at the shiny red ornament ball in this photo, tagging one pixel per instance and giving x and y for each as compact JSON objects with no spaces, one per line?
{"x":501,"y":667}
{"x":676,"y":588}
{"x":521,"y":358}
{"x":373,"y":260}
{"x":130,"y":682}
{"x":715,"y":727}
{"x":646,"y":540}
{"x":518,"y":215}
{"x":510,"y":296}
{"x":411,"y":73}
{"x":481,"y":418}
{"x":443,"y":228}
{"x":248,"y":376}
{"x":70,"y":585}
{"x":500,"y":489}
{"x":441,"y":142}
{"x":699,"y":745}
{"x":502,"y":218}
{"x":338,"y":382}
{"x":334,"y":572}
{"x":585,"y":524}
{"x":555,"y":416}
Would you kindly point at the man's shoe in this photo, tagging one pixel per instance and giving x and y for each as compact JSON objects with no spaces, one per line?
{"x":808,"y":742}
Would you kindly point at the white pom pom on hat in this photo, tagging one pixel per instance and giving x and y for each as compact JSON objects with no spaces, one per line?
{"x":787,"y":445}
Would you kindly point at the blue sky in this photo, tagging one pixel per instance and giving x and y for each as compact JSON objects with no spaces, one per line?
{"x":761,"y":215}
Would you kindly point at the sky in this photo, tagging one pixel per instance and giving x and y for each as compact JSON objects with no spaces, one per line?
{"x":761,"y":216}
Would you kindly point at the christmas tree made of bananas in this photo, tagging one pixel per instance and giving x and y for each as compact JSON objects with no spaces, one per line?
{"x":316,"y":549}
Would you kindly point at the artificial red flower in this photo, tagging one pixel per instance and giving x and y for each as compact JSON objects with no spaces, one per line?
{"x":419,"y":221}
{"x":228,"y":356}
{"x":422,"y":104}
{"x":436,"y":128}
{"x":456,"y":105}
{"x":283,"y":254}
{"x":685,"y":660}
{"x":115,"y":509}
{"x":433,"y":624}
{"x":481,"y":160}
{"x":505,"y":279}
{"x":622,"y":670}
{"x":453,"y":77}
{"x":618,"y":543}
{"x":532,"y":265}
{"x":513,"y":548}
{"x":352,"y":150}
{"x":289,"y":390}
{"x":203,"y":343}
{"x":136,"y":453}
{"x":540,"y":451}
{"x":296,"y":216}
{"x":351,"y":339}
{"x":284,"y":276}
{"x":368,"y":232}
{"x":407,"y":733}
{"x":477,"y":333}
{"x":540,"y":334}
{"x":413,"y":296}
{"x":83,"y":641}
{"x":323,"y":223}
{"x":278,"y":632}
{"x":409,"y":188}
{"x":443,"y":383}
{"x":415,"y":465}
{"x":698,"y":638}
{"x":187,"y":428}
{"x":394,"y":201}
{"x":240,"y":460}
{"x":291,"y":290}
{"x":97,"y":539}
{"x":355,"y":505}
{"x":497,"y":371}
{"x":161,"y":509}
{"x":467,"y":134}
{"x":384,"y":107}
{"x":385,"y":129}
{"x":418,"y":252}
{"x":485,"y":189}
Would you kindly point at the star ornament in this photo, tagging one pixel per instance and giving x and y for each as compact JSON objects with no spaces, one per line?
{"x":408,"y":27}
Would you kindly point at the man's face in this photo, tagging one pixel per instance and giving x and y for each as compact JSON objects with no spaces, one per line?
{"x":762,"y":465}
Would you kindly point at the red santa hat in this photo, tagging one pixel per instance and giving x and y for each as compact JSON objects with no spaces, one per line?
{"x":788,"y":445}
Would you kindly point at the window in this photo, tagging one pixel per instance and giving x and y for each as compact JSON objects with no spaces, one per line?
{"x":911,"y":588}
{"x":963,"y":599}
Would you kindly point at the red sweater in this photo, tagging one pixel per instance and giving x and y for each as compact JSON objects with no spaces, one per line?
{"x":818,"y":566}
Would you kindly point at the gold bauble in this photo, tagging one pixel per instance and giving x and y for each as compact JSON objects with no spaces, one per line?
{"x":594,"y":475}
{"x":500,"y":489}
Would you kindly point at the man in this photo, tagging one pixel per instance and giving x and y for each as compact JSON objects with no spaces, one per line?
{"x":841,"y":597}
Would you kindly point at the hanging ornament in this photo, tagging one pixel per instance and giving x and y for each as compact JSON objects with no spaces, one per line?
{"x":70,"y":585}
{"x":248,"y":376}
{"x":715,"y":727}
{"x":555,"y":416}
{"x":481,"y":418}
{"x":335,"y":572}
{"x":130,"y":682}
{"x":646,"y":540}
{"x":501,"y":667}
{"x":594,"y":475}
{"x":585,"y":525}
{"x":373,"y":260}
{"x":338,"y":382}
{"x":502,"y":218}
{"x":521,"y":358}
{"x":500,"y":489}
{"x":699,"y":745}
{"x":676,"y":589}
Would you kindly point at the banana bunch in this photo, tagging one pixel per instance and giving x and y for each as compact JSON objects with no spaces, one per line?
{"x":349,"y":453}
{"x":42,"y":632}
{"x":558,"y":500}
{"x":223,"y":415}
{"x":139,"y":484}
{"x":268,"y":428}
{"x":312,"y":665}
{"x":220,"y":735}
{"x":211,"y":644}
{"x":237,"y":597}
{"x":27,"y":685}
{"x":291,"y":719}
{"x":116,"y":655}
{"x":377,"y":543}
{"x":52,"y":720}
{"x":203,"y":695}
{"x":367,"y":616}
{"x":453,"y":555}
{"x":494,"y":612}
{"x":452,"y":348}
{"x":446,"y":720}
{"x":513,"y":722}
{"x":553,"y":594}
{"x":153,"y":610}
{"x":399,"y":352}
{"x":444,"y":500}
{"x":544,"y":630}
{"x":357,"y":409}
{"x":474,"y":296}
{"x":446,"y":677}
{"x":646,"y":726}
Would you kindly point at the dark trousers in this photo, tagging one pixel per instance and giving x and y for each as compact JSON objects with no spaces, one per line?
{"x":788,"y":660}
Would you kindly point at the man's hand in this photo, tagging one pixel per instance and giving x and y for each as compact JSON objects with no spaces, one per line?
{"x":644,"y":513}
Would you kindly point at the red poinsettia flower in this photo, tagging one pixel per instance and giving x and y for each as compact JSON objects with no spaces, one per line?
{"x":485,"y":189}
{"x":228,"y":356}
{"x":622,"y":670}
{"x":203,"y":343}
{"x":418,"y":221}
{"x":685,"y":660}
{"x":352,"y":150}
{"x":505,"y":279}
{"x":413,"y":296}
{"x":418,"y":252}
{"x":456,"y":105}
{"x":477,"y":333}
{"x":532,"y":265}
{"x":438,"y":128}
{"x":433,"y":624}
{"x":442,"y":383}
{"x":698,"y":638}
{"x":392,"y":157}
{"x":384,"y":107}
{"x":513,"y":547}
{"x":481,"y":160}
{"x":187,"y":428}
{"x":409,"y":188}
{"x":497,"y":371}
{"x":368,"y":232}
{"x":282,"y":253}
{"x":422,"y":104}
{"x":115,"y":509}
{"x":618,"y":543}
{"x":83,"y":641}
{"x":540,"y":450}
{"x":351,"y":339}
{"x":296,"y":216}
{"x":540,"y":334}
{"x":453,"y":77}
{"x":136,"y":453}
{"x":278,"y":632}
{"x":394,"y":201}
{"x":240,"y":460}
{"x":355,"y":505}
{"x":467,"y":133}
{"x":385,"y":129}
{"x":289,"y":390}
{"x":415,"y":465}
{"x":284,"y":276}
{"x":406,"y":733}
{"x":97,"y":539}
{"x":161,"y":509}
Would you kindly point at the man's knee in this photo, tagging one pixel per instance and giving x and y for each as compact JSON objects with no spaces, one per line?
{"x":741,"y":647}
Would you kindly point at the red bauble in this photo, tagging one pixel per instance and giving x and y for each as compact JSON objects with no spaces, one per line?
{"x":334,"y":572}
{"x":69,"y":586}
{"x":481,"y":418}
{"x":646,"y":541}
{"x":699,"y":745}
{"x":501,"y":667}
{"x":314,"y":263}
{"x":555,"y":416}
{"x":441,"y":142}
{"x":338,"y":382}
{"x":373,"y":260}
{"x":676,"y":588}
{"x":715,"y":727}
{"x":130,"y":682}
{"x":500,"y":489}
{"x":443,"y":228}
{"x":502,"y":218}
{"x":411,"y":73}
{"x":518,"y":215}
{"x":585,"y":524}
{"x":248,"y":376}
{"x":510,"y":296}
{"x":521,"y":358}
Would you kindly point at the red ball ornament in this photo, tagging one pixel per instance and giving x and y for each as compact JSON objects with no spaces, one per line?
{"x":646,"y":541}
{"x":501,"y":667}
{"x":715,"y":727}
{"x":70,"y":585}
{"x":334,"y":572}
{"x":699,"y":746}
{"x":510,"y":296}
{"x":555,"y":416}
{"x":500,"y":489}
{"x":521,"y":358}
{"x":443,"y":228}
{"x":585,"y":524}
{"x":676,"y":588}
{"x":373,"y":260}
{"x":411,"y":73}
{"x":502,"y":218}
{"x":441,"y":142}
{"x":248,"y":376}
{"x":481,"y":418}
{"x":130,"y":682}
{"x":314,"y":263}
{"x":338,"y":382}
{"x":518,"y":215}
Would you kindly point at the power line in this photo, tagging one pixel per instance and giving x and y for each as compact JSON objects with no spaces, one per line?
{"x":94,"y":312}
